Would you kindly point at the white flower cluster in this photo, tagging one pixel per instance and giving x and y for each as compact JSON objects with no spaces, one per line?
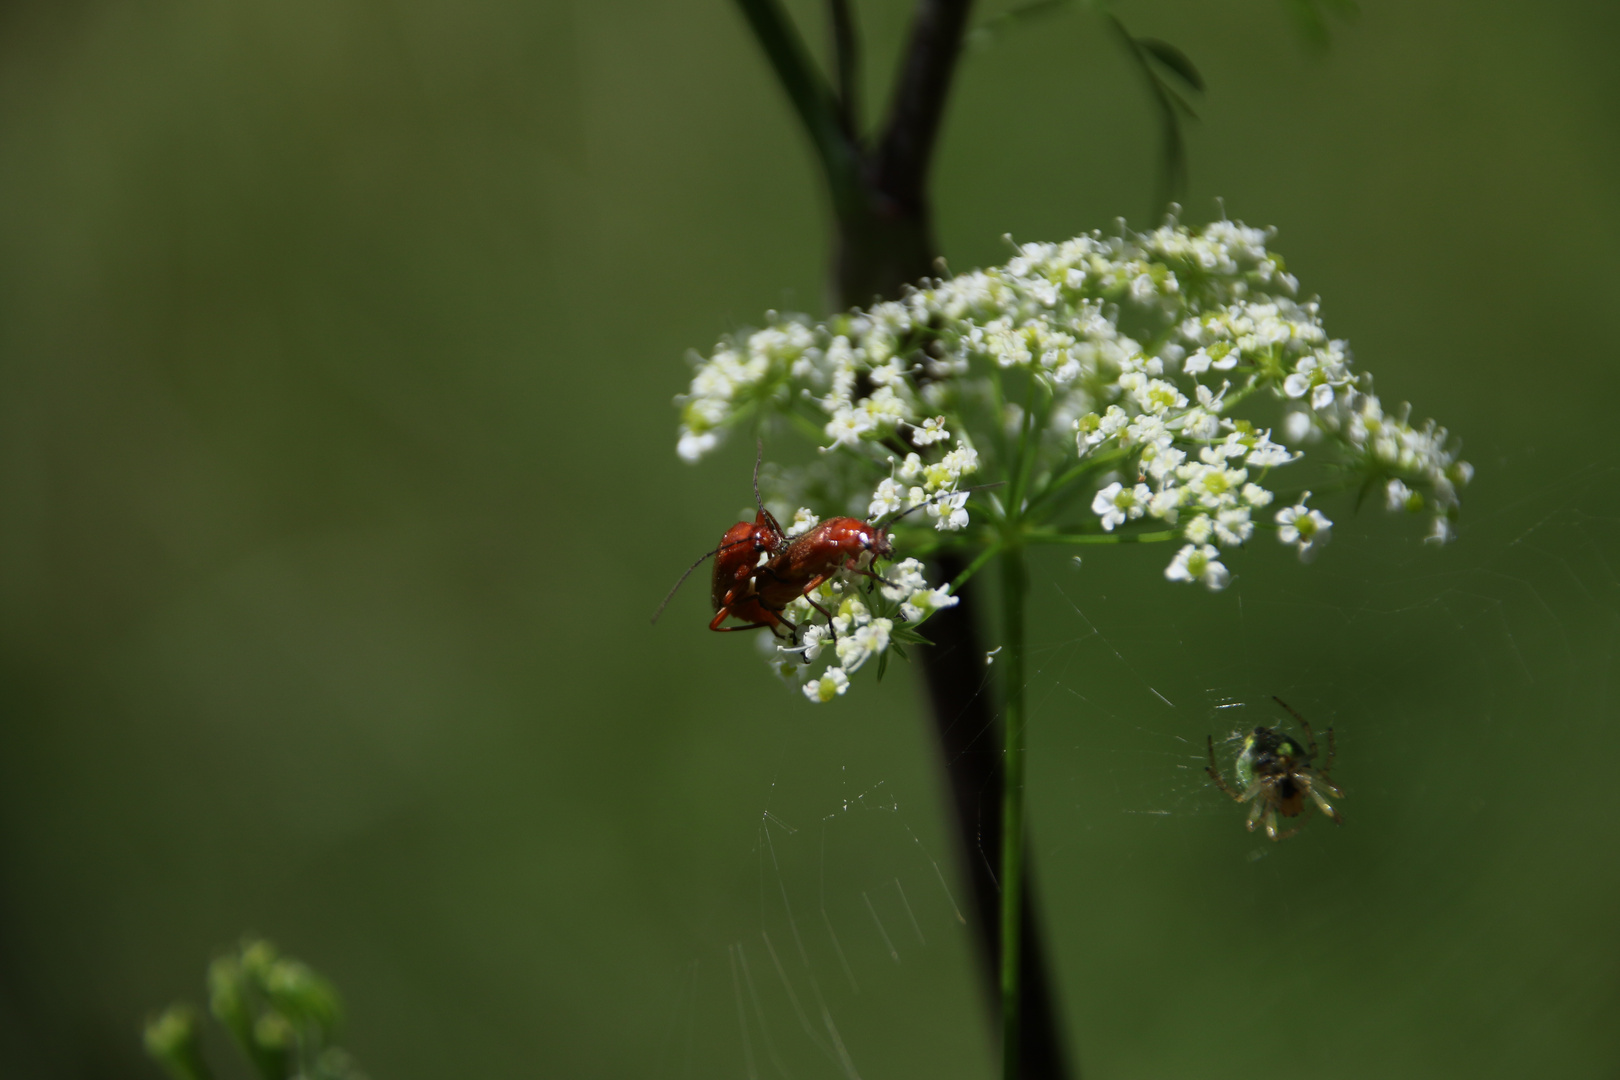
{"x":932,"y":486}
{"x":856,"y":633}
{"x":1142,"y":362}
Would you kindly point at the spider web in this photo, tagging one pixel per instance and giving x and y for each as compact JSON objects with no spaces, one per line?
{"x":1455,"y":923}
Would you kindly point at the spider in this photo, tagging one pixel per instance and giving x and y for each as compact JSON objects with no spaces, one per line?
{"x":1276,"y":775}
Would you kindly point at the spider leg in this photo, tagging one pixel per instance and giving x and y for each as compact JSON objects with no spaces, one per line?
{"x":1271,"y":826}
{"x":1321,"y":780}
{"x":1322,"y":804}
{"x":1215,"y":775}
{"x":1254,"y":817}
{"x":1304,"y":723}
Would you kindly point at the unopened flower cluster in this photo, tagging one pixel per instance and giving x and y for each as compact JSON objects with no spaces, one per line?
{"x":1149,"y":356}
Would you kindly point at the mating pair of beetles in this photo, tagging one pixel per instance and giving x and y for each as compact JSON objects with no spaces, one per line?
{"x":758,"y":571}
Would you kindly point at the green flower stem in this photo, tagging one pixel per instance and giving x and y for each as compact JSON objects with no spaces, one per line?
{"x":1014,"y":585}
{"x":978,"y":563}
{"x":1086,"y":467}
{"x":1101,"y":538}
{"x":812,"y":99}
{"x":1028,"y":450}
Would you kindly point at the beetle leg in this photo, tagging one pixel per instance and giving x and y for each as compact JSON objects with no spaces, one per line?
{"x":854,"y":567}
{"x":725,"y":613}
{"x":814,"y":584}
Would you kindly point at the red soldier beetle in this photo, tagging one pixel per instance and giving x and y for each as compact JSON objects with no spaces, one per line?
{"x":836,"y":545}
{"x":741,"y":551}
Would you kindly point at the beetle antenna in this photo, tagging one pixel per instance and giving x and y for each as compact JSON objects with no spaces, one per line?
{"x":705,"y":558}
{"x":937,"y":498}
{"x":759,"y":456}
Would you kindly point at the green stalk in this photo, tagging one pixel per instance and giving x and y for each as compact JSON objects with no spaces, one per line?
{"x":1054,"y":537}
{"x":811,"y":97}
{"x":990,"y":551}
{"x":1014,"y":585}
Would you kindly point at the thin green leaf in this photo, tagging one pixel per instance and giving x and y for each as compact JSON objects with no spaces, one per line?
{"x":907,"y":635}
{"x":1174,"y":59}
{"x":1311,"y":19}
{"x":1014,"y":18}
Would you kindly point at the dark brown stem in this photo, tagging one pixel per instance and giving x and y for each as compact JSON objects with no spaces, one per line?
{"x":918,"y":106}
{"x":884,"y":243}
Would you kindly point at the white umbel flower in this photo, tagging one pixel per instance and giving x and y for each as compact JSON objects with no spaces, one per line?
{"x":1201,"y":563}
{"x":1305,"y":528}
{"x":832,"y":683}
{"x":1153,"y":357}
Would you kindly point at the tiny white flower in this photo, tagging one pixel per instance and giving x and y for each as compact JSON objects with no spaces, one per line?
{"x":925,"y":602}
{"x":803,"y":521}
{"x":857,"y":648}
{"x":1198,"y":528}
{"x":1199,"y":563}
{"x":1232,"y":525}
{"x":851,"y":614}
{"x":887,"y":499}
{"x":1256,"y":496}
{"x":1266,"y":454}
{"x":1297,"y":428}
{"x":960,"y":461}
{"x":1307,"y":529}
{"x":931,"y":431}
{"x":693,"y":446}
{"x":951,"y":512}
{"x":815,"y":635}
{"x":1159,"y":462}
{"x":847,"y":426}
{"x":831,"y":684}
{"x":1200,"y":424}
{"x":1166,"y":503}
{"x":904,"y":579}
{"x":1397,"y":494}
{"x":1441,"y":533}
{"x":1105,"y":506}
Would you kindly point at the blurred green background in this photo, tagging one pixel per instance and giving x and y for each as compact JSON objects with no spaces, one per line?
{"x":337,"y":484}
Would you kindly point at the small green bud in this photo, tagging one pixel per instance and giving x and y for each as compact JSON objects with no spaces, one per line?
{"x":172,"y":1041}
{"x":303,"y":996}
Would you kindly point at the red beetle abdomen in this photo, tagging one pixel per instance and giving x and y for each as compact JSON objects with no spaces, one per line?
{"x":734,"y":562}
